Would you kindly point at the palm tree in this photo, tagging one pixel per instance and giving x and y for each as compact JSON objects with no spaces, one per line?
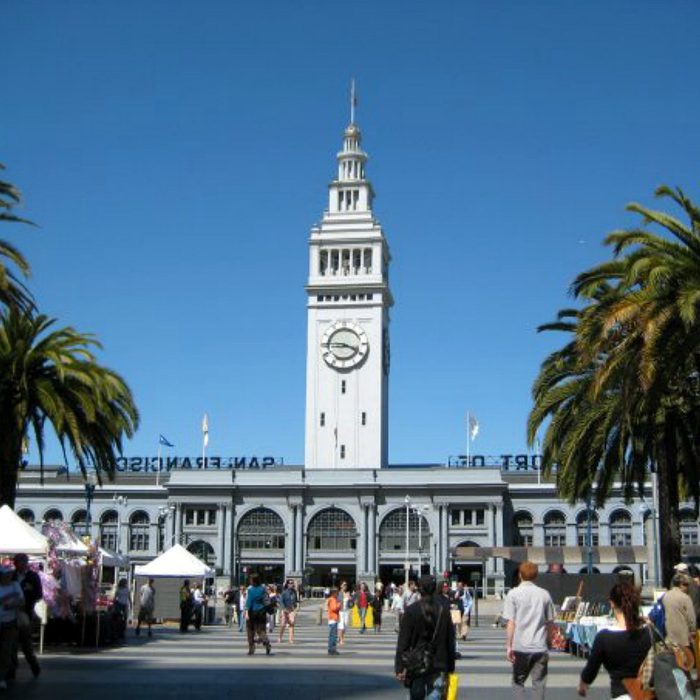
{"x":12,"y":290}
{"x":51,"y":375}
{"x":624,"y":394}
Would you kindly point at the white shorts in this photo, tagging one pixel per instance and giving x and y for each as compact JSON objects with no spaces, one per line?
{"x":344,"y":620}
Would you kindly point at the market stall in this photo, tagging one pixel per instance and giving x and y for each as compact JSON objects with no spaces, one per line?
{"x":17,"y":537}
{"x":172,"y":568}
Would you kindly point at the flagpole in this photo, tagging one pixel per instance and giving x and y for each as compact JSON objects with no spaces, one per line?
{"x":158,"y":472}
{"x":469,"y":437}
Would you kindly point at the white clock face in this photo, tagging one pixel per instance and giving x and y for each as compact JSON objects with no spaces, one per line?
{"x":344,"y":345}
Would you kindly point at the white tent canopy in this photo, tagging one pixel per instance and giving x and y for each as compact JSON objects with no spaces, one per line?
{"x":177,"y":562}
{"x":113,"y":559}
{"x":70,"y":544}
{"x":16,"y":536}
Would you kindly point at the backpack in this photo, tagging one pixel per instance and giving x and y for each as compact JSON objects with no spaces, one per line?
{"x":657,"y":616}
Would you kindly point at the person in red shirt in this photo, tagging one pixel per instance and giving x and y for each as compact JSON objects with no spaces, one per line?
{"x":333,"y":607}
{"x":363,"y":601}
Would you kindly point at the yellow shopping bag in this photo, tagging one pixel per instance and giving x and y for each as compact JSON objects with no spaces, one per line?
{"x":452,"y":686}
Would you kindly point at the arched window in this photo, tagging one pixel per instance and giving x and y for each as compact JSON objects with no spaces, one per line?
{"x":620,"y":529}
{"x":261,"y":528}
{"x":139,"y":531}
{"x":79,"y":523}
{"x":203,"y":551}
{"x":392,"y":532}
{"x":109,"y":535}
{"x":53,"y":515}
{"x":688,"y":525}
{"x":555,"y":529}
{"x":522,"y":529}
{"x":332,"y":530}
{"x":27,"y":515}
{"x":582,"y":528}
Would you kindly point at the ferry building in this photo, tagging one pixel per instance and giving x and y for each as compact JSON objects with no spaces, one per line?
{"x":347,"y":513}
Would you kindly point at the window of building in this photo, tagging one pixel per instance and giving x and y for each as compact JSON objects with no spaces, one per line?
{"x":522,"y":530}
{"x":332,"y":530}
{"x":139,"y":528}
{"x":342,"y":452}
{"x":211,"y":516}
{"x":689,"y":527}
{"x":342,"y":386}
{"x":582,"y":528}
{"x":200,"y":516}
{"x":203,"y":551}
{"x":261,"y":528}
{"x":26,"y":515}
{"x":479,"y":516}
{"x":456,"y":517}
{"x":392,"y":532}
{"x":555,"y":529}
{"x":79,"y":523}
{"x":467,"y":517}
{"x":53,"y":515}
{"x":364,"y":418}
{"x":109,"y":535}
{"x":189,"y":516}
{"x":323,"y":419}
{"x":621,"y":529}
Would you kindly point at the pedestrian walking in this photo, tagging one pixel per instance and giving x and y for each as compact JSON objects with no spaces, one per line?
{"x":346,"y":600}
{"x":242,"y":595}
{"x":271,"y":609}
{"x":425,"y":626}
{"x":333,"y":607}
{"x":621,"y":649}
{"x":397,"y":605}
{"x":147,"y":604}
{"x":411,"y":595}
{"x":229,"y":605}
{"x":289,"y":601}
{"x":256,"y":603}
{"x":529,"y":612}
{"x":121,"y":605}
{"x":198,"y":603}
{"x":185,"y":606}
{"x":30,"y":583}
{"x":680,"y":618}
{"x":11,"y":601}
{"x":362,"y":600}
{"x":377,"y":604}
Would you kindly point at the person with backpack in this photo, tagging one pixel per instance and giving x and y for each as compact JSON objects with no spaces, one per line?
{"x":680,"y":618}
{"x":257,"y":603}
{"x":425,"y":650}
{"x":621,"y":649}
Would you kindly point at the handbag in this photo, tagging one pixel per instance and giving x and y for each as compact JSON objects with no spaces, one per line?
{"x":418,"y":661}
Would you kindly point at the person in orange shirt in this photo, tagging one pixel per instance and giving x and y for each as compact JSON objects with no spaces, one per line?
{"x":333,"y":607}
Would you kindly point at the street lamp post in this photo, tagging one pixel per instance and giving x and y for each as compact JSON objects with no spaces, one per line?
{"x":419,"y":511}
{"x":652,"y":510}
{"x":589,"y":533}
{"x":165,"y":512}
{"x":90,"y":486}
{"x":407,"y":565}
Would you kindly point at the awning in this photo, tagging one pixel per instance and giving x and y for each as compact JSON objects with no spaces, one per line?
{"x":555,"y":555}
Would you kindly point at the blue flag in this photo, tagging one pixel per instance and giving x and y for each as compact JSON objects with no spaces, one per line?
{"x":164,"y":441}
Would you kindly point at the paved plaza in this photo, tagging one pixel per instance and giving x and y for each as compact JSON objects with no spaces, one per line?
{"x":213,"y":664}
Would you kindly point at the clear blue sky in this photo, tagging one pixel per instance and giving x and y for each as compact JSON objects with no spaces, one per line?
{"x":176,"y":155}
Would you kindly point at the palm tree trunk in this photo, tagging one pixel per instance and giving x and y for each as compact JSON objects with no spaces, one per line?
{"x":669,"y":531}
{"x":10,"y":456}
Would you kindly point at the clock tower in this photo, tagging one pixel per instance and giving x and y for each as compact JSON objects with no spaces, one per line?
{"x":347,"y":366}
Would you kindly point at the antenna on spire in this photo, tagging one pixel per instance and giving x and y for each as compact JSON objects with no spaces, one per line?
{"x":353,"y":101}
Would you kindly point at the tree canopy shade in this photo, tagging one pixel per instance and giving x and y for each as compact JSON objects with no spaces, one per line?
{"x":12,"y":290}
{"x":51,"y":375}
{"x":622,"y":397}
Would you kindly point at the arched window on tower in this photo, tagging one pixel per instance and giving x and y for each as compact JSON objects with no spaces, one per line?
{"x":335,"y":261}
{"x":368,"y":260}
{"x":356,"y":261}
{"x":323,"y":263}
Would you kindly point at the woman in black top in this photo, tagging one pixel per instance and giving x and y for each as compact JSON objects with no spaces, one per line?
{"x":620,"y":650}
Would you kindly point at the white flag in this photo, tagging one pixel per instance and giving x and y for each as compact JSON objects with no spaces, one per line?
{"x":205,"y":429}
{"x":473,"y":427}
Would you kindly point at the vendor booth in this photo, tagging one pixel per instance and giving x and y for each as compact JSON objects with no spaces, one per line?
{"x":171,"y":568}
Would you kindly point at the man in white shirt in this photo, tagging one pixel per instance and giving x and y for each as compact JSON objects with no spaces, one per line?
{"x":529,"y":611}
{"x":147,"y":605}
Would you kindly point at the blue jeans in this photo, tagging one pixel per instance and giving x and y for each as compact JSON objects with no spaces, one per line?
{"x":363,"y":614}
{"x":430,"y":687}
{"x":241,"y":620}
{"x":332,"y":636}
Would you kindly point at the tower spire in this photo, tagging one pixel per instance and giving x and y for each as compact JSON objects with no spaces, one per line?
{"x":353,"y":101}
